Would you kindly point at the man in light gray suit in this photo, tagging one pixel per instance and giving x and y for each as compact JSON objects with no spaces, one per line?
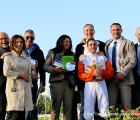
{"x":116,"y":48}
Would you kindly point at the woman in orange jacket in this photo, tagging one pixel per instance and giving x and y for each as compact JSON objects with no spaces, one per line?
{"x":94,"y":69}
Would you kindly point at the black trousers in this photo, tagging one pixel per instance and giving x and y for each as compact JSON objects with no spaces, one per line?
{"x":15,"y":115}
{"x":2,"y":97}
{"x":136,"y":92}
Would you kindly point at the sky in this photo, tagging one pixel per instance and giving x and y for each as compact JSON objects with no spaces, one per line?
{"x":50,"y":19}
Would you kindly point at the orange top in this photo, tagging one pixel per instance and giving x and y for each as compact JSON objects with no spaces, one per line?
{"x":87,"y":77}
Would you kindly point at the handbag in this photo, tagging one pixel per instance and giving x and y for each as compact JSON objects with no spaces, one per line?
{"x":71,"y":79}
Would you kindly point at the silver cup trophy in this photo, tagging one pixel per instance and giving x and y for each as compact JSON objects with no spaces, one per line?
{"x":122,"y":62}
{"x":97,"y":65}
{"x":34,"y":64}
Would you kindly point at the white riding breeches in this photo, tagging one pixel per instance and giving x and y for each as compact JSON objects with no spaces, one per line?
{"x":92,"y":91}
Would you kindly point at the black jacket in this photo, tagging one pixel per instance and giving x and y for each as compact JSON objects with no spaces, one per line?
{"x":37,"y":54}
{"x":136,"y":67}
{"x":2,"y":77}
{"x":80,"y":50}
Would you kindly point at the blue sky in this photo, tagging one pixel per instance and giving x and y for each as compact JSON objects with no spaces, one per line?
{"x":50,"y":19}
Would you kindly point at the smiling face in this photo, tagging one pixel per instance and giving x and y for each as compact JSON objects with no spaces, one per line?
{"x":18,"y":45}
{"x":4,"y":40}
{"x":29,"y":39}
{"x":137,"y":34}
{"x":116,"y":31}
{"x":66,"y":44}
{"x":89,"y":31}
{"x":92,"y":46}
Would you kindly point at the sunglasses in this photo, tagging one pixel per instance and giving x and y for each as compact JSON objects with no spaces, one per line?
{"x":27,"y":37}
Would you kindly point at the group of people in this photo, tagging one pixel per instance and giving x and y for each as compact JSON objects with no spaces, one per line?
{"x":18,"y":87}
{"x":122,"y":76}
{"x":98,"y":85}
{"x":100,"y":74}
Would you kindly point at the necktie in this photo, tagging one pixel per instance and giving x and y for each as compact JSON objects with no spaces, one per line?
{"x":139,"y":60}
{"x":114,"y":50}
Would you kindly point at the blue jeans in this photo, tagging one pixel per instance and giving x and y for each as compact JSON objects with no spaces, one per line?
{"x":33,"y":113}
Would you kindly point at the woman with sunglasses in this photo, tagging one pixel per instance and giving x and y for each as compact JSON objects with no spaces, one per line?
{"x":17,"y":69}
{"x":59,"y":88}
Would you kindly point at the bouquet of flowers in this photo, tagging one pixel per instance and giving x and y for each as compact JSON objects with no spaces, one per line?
{"x":116,"y":114}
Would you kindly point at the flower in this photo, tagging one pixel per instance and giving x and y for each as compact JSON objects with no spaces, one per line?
{"x":137,"y":113}
{"x":127,"y":114}
{"x":126,"y":110}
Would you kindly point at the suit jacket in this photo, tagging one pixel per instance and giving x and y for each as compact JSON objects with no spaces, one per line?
{"x":2,"y":77}
{"x":80,"y":50}
{"x":136,"y":67}
{"x":48,"y":67}
{"x":126,"y":49}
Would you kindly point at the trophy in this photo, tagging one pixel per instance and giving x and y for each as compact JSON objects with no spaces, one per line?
{"x":122,"y":62}
{"x":34,"y":64}
{"x":97,"y":65}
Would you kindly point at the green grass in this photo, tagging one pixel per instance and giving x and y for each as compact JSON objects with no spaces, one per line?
{"x":42,"y":118}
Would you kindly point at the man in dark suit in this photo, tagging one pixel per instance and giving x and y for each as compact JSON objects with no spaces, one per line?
{"x":4,"y":51}
{"x":116,"y":48}
{"x":136,"y":71}
{"x":89,"y":32}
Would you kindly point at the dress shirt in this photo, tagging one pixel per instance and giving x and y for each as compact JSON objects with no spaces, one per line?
{"x":110,"y":48}
{"x":86,"y":50}
{"x":30,"y":50}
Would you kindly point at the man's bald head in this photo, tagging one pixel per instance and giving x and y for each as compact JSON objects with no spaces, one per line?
{"x":138,"y":29}
{"x":4,"y":33}
{"x":4,"y":40}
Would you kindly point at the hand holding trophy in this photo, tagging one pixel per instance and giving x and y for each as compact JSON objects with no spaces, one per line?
{"x":122,"y":62}
{"x":97,"y":66}
{"x":34,"y":64}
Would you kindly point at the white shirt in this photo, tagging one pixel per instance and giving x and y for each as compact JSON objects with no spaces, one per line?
{"x":110,"y":48}
{"x":86,"y":50}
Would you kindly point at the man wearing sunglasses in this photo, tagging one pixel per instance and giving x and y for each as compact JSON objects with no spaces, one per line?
{"x":36,"y":53}
{"x":4,"y":51}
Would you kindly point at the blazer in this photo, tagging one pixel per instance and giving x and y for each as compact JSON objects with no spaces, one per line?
{"x":136,"y":67}
{"x":127,"y":49}
{"x":80,"y":50}
{"x":2,"y":77}
{"x":48,"y":67}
